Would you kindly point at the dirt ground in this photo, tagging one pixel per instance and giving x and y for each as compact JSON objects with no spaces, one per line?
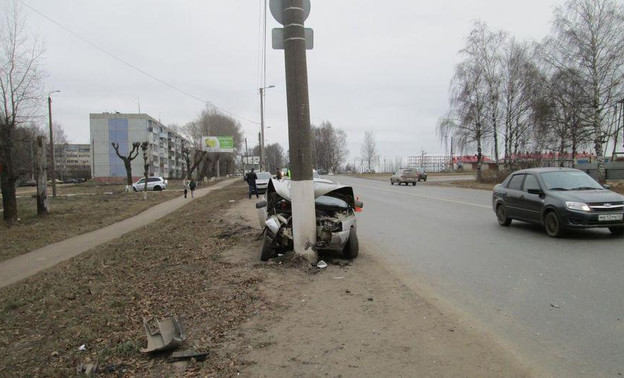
{"x":280,"y":318}
{"x":357,"y":318}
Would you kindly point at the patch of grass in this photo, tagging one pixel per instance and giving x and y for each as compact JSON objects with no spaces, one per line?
{"x":127,"y":349}
{"x":71,"y":216}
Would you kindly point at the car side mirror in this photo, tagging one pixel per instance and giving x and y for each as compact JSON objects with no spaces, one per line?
{"x":535,"y":191}
{"x":260,"y":204}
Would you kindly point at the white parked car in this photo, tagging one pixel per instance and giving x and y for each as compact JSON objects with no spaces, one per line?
{"x":153,"y":183}
{"x":263,"y":181}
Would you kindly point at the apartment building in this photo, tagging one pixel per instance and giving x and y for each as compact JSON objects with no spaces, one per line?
{"x":164,"y":153}
{"x":72,"y":160}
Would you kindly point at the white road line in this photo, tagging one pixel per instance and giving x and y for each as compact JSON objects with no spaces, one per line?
{"x":427,"y":197}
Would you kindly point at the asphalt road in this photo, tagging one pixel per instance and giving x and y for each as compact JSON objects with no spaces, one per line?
{"x":558,"y":303}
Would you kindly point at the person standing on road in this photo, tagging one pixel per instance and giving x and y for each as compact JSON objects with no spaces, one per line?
{"x":185,"y":182}
{"x":278,"y":174}
{"x":251,"y":181}
{"x":192,"y":185}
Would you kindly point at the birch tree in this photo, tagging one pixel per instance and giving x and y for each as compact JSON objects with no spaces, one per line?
{"x":589,"y":43}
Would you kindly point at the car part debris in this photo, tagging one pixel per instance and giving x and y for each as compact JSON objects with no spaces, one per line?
{"x":322,"y":264}
{"x":187,"y":355}
{"x":164,"y":335}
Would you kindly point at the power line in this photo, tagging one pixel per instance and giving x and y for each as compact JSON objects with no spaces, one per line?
{"x":203,"y":101}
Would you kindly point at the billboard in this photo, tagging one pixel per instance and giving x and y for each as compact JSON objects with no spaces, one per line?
{"x":218,"y":144}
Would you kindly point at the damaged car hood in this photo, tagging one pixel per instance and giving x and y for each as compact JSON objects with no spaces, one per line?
{"x":344,"y":192}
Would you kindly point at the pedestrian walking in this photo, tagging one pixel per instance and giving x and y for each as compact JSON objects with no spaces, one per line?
{"x":251,"y":181}
{"x":185,"y":182}
{"x":192,"y":186}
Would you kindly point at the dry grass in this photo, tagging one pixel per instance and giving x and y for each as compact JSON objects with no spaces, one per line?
{"x":87,"y":208}
{"x":99,"y":298}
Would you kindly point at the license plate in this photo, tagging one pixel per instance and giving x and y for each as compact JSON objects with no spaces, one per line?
{"x":610,"y":217}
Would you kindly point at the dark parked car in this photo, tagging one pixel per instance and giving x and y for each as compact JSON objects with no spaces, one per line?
{"x":558,"y":199}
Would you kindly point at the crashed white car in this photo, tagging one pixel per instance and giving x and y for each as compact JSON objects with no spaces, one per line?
{"x":336,"y":227}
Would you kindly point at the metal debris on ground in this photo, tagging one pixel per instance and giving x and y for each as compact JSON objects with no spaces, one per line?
{"x":321,"y":264}
{"x":164,"y":335}
{"x":187,"y":355}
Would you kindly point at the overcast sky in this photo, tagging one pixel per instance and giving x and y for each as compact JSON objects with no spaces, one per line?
{"x":381,"y":66}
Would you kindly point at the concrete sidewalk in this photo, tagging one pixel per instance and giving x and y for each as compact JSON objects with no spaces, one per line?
{"x":28,"y":264}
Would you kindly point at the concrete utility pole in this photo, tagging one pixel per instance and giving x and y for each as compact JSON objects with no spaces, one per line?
{"x":52,"y":172}
{"x":262,"y":158}
{"x":299,"y":138}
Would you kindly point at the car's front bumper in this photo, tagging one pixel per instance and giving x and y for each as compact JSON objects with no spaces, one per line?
{"x":578,"y":219}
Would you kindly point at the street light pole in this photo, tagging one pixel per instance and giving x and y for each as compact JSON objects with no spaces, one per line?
{"x":262,"y":125}
{"x":52,"y":172}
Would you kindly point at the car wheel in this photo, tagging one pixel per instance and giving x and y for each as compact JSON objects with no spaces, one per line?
{"x":552,"y":224}
{"x":391,"y":182}
{"x":617,"y":231}
{"x":414,"y":183}
{"x":425,"y":179}
{"x":352,"y":248}
{"x":157,"y":188}
{"x":267,"y":249}
{"x":501,"y":216}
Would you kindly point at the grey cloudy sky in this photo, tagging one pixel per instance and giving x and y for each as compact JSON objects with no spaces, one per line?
{"x":381,"y":66}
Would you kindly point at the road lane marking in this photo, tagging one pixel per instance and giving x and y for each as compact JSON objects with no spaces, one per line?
{"x":428,"y":197}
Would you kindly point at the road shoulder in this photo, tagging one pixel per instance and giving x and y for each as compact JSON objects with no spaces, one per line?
{"x":357,"y":318}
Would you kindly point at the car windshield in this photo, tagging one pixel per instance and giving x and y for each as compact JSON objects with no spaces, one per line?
{"x":263,"y":175}
{"x":569,"y":180}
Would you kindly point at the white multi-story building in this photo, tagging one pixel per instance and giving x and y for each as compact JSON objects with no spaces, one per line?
{"x":72,"y":160}
{"x":165,"y":146}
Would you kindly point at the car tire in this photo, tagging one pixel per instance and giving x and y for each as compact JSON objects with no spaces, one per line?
{"x":391,"y":182}
{"x":352,"y":248}
{"x":414,"y":183}
{"x":501,"y":216}
{"x":267,"y":249}
{"x":157,"y":188}
{"x":552,"y":225}
{"x":425,"y":179}
{"x":617,"y":231}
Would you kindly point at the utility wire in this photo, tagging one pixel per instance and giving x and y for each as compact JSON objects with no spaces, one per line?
{"x":203,"y":101}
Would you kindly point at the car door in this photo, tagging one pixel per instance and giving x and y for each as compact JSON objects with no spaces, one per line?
{"x":512,"y":196}
{"x":530,"y":204}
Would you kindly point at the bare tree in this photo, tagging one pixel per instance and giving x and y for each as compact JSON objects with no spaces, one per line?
{"x":274,"y":156}
{"x":589,"y":43}
{"x":211,"y":122}
{"x":146,"y":164}
{"x":20,"y":88}
{"x":193,"y":158}
{"x":132,"y":154}
{"x":329,"y":146}
{"x":369,"y":148}
{"x":465,"y":122}
{"x":484,"y":49}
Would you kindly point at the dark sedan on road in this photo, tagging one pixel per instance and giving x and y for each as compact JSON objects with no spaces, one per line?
{"x":559,"y":199}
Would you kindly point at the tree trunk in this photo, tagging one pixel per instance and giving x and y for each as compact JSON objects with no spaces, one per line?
{"x":127,"y":164}
{"x":7,"y":175}
{"x":40,"y":172}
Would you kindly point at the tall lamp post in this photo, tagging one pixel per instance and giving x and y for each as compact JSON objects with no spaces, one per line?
{"x":262,"y":125}
{"x":52,"y":172}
